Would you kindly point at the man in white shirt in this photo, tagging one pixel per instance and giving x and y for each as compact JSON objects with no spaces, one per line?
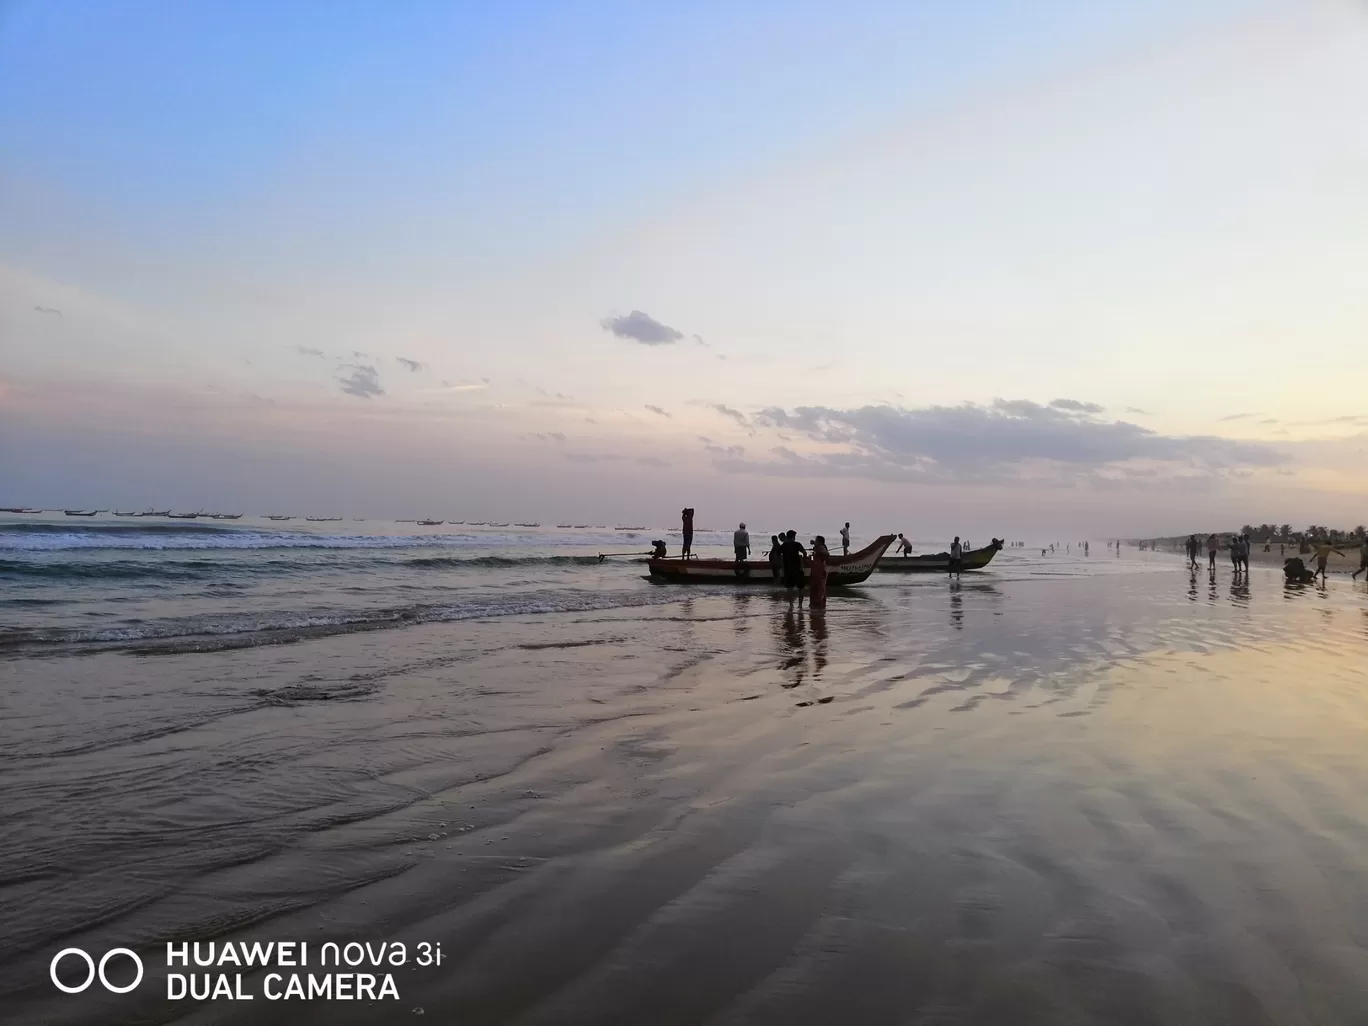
{"x":845,"y":539}
{"x":741,"y":542}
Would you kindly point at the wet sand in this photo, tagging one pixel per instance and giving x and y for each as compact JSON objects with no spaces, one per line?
{"x":1134,"y":797}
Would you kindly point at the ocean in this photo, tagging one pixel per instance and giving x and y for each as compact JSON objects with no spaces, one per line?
{"x":1065,"y":789}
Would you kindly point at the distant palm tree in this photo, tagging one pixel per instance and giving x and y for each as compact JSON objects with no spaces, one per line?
{"x":1285,"y":532}
{"x":1360,"y":533}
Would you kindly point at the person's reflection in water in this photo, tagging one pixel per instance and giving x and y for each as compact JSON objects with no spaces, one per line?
{"x":956,"y":607}
{"x":792,"y":647}
{"x":819,"y":648}
{"x":1239,"y":591}
{"x":1192,"y":584}
{"x":1211,"y":590}
{"x":741,"y":612}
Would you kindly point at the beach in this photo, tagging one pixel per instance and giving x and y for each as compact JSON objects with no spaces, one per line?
{"x":1065,"y":789}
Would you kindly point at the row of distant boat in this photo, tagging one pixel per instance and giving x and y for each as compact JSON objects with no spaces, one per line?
{"x":203,"y":514}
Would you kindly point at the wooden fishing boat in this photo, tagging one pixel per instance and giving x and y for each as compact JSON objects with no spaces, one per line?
{"x":429,"y":523}
{"x":939,"y":563}
{"x":277,"y":516}
{"x":80,"y":512}
{"x":841,"y":570}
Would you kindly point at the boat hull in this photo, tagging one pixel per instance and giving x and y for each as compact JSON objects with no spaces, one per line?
{"x":974,"y":559}
{"x":841,"y":570}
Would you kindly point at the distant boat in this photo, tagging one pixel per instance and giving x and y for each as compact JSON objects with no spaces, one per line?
{"x":973,"y":559}
{"x":225,"y":516}
{"x":80,"y":512}
{"x":565,"y":525}
{"x":581,"y":527}
{"x":321,"y":520}
{"x":496,"y":525}
{"x":17,"y":509}
{"x":479,"y":523}
{"x":156,"y":513}
{"x":406,"y":521}
{"x":429,"y":523}
{"x":269,"y":517}
{"x":527,"y":525}
{"x":184,"y":516}
{"x":629,"y":528}
{"x":121,"y":513}
{"x":458,"y":522}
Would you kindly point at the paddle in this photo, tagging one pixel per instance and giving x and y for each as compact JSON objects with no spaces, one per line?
{"x":605,"y":555}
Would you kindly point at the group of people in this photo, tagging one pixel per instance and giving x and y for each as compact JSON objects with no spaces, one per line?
{"x":1239,"y":551}
{"x":786,"y":556}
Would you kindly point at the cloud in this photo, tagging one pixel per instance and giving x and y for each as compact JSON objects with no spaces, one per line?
{"x":640,"y":327}
{"x":699,"y":340}
{"x":1137,"y":410}
{"x":550,"y":436}
{"x":652,"y":461}
{"x":413,"y":365}
{"x":1238,"y":416}
{"x":727,"y":411}
{"x":656,"y":409}
{"x":1269,"y":420}
{"x":1076,"y":406}
{"x":363,"y":382}
{"x":589,"y":457}
{"x":309,"y":351}
{"x":48,"y":310}
{"x":1005,"y":441}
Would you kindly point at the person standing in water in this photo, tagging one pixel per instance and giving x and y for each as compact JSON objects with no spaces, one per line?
{"x":1363,"y":562}
{"x":793,"y":553}
{"x":1322,"y":552}
{"x":776,"y":557}
{"x":741,"y":542}
{"x":1213,"y":544}
{"x":845,"y":539}
{"x":956,"y":556}
{"x":902,"y":546}
{"x":688,"y":515}
{"x":818,"y":580}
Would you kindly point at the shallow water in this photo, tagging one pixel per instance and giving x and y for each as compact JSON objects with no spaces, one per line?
{"x":1065,"y":791}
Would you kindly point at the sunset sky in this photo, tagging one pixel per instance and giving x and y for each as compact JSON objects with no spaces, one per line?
{"x":983,"y":266}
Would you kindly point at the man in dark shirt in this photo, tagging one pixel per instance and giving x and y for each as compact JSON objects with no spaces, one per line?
{"x":793,"y":553}
{"x":688,"y":516}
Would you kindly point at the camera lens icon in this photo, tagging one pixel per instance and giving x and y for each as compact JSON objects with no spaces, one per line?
{"x":93,"y":971}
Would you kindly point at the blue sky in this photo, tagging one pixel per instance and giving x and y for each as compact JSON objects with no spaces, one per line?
{"x":256,"y":218}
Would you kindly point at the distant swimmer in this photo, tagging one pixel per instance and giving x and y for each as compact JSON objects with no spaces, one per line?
{"x":845,"y":539}
{"x":902,"y":546}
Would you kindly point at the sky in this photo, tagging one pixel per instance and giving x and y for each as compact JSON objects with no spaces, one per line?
{"x":1023,"y":269}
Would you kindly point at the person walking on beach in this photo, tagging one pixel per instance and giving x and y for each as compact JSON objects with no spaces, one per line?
{"x":793,"y":553}
{"x":818,"y":582}
{"x":741,"y":542}
{"x":1192,"y":551}
{"x":956,"y":556}
{"x":1213,"y":545}
{"x":845,"y":539}
{"x":1322,"y":552}
{"x":1363,"y":562}
{"x":1235,"y":552}
{"x":687,"y":515}
{"x":1245,"y":546}
{"x":776,"y":557}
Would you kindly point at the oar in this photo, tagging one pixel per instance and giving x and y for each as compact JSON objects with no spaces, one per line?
{"x":605,"y":555}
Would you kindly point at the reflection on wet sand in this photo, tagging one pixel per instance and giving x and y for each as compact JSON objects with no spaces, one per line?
{"x":1036,"y":800}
